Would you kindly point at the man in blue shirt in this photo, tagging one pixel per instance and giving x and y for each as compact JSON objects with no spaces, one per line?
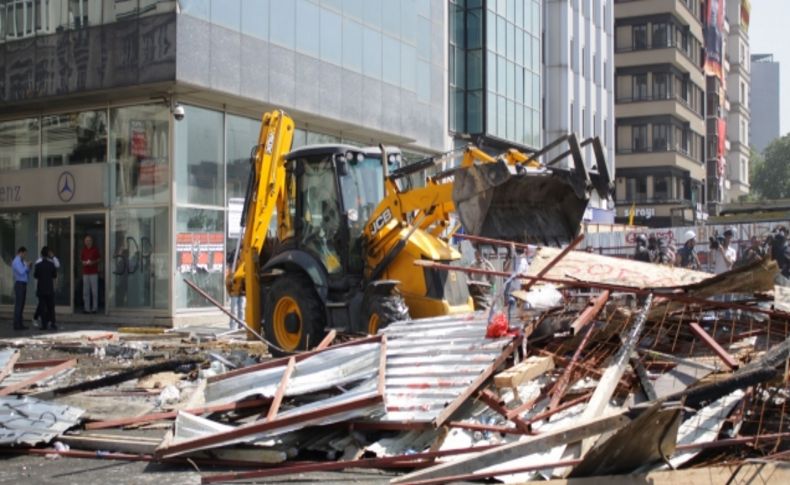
{"x":21,"y":269}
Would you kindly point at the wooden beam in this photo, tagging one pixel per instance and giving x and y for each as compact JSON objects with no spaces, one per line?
{"x":327,"y":341}
{"x":527,"y":370}
{"x":40,"y":376}
{"x":280,"y":392}
{"x":493,"y":402}
{"x":8,"y":368}
{"x":532,"y":444}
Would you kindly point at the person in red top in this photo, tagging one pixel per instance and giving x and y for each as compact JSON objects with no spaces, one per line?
{"x":90,"y":276}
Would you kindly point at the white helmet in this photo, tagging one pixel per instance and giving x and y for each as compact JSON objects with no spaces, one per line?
{"x":689,"y":235}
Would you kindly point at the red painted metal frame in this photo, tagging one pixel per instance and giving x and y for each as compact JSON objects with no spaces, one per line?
{"x":340,"y":465}
{"x":451,"y":408}
{"x":283,"y":361}
{"x":555,"y":260}
{"x":114,"y":423}
{"x":725,"y":356}
{"x":493,"y":402}
{"x":668,"y":293}
{"x":48,"y":372}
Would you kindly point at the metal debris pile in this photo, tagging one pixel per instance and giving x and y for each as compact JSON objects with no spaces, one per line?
{"x":629,"y":368}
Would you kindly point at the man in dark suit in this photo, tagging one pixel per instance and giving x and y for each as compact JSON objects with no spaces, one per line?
{"x":46,"y":272}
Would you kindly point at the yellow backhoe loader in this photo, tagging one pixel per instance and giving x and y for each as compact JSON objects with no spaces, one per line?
{"x":349,"y":229}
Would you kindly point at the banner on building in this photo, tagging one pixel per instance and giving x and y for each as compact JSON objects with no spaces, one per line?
{"x":714,"y":38}
{"x":200,"y":252}
{"x":746,"y":11}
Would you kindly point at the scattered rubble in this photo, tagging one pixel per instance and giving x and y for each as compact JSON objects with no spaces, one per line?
{"x":606,"y":367}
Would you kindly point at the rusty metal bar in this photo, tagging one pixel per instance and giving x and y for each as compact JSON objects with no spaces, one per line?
{"x":484,"y":427}
{"x":261,"y":426}
{"x":282,"y":361}
{"x":280,"y":392}
{"x":554,"y":261}
{"x":668,"y":293}
{"x":340,"y":465}
{"x":725,"y":356}
{"x":114,"y":423}
{"x":502,"y":471}
{"x":493,"y":402}
{"x":40,"y":376}
{"x":583,"y":320}
{"x":561,"y":407}
{"x":451,"y":408}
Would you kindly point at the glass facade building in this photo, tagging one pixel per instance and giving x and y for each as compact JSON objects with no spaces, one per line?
{"x":162,"y":197}
{"x":495,"y":69}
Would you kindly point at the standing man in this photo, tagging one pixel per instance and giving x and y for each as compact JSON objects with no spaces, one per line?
{"x":90,"y":276}
{"x":46,"y":272}
{"x":21,"y":270}
{"x":686,"y":256}
{"x":723,"y":255}
{"x":51,"y":256}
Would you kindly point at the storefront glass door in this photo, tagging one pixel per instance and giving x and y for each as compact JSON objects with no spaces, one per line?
{"x":65,"y":235}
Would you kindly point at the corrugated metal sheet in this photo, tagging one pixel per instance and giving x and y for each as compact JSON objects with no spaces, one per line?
{"x":334,"y":367}
{"x":29,"y":421}
{"x":432,"y":361}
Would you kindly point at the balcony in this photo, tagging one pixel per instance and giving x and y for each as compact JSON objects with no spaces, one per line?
{"x":647,"y":157}
{"x":630,"y":57}
{"x":641,"y":8}
{"x":657,"y":106}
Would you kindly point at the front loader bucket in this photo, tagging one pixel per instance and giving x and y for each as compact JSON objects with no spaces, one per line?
{"x":498,"y":201}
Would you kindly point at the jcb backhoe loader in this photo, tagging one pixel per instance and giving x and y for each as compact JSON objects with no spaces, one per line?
{"x":348,"y":229}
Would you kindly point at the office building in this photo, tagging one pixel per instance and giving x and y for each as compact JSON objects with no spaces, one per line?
{"x":89,"y":144}
{"x":660,"y":129}
{"x":578,"y":80}
{"x":494,"y":69}
{"x":738,"y":93}
{"x":765,"y":100}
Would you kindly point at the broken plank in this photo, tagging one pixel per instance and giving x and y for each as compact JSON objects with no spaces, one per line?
{"x":327,"y":341}
{"x":123,"y":444}
{"x":8,"y":358}
{"x":278,"y":395}
{"x":501,"y":454}
{"x":527,"y":370}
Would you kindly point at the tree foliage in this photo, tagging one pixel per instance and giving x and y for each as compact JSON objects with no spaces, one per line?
{"x":771,"y":175}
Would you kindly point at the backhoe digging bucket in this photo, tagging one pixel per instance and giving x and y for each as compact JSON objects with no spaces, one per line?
{"x":513,"y":203}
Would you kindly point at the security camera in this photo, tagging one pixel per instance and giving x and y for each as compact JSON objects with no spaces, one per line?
{"x":178,"y":112}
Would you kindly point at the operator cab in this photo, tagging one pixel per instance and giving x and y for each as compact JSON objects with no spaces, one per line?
{"x":332,"y":191}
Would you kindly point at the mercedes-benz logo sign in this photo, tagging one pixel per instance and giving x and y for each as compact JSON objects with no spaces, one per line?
{"x":66,"y":186}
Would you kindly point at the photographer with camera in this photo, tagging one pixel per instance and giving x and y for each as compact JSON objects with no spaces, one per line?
{"x":686,"y":256}
{"x":722,"y":255}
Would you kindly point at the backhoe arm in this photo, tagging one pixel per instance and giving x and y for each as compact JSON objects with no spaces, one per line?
{"x":265,"y":192}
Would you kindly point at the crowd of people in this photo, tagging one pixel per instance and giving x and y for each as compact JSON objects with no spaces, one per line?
{"x":721,"y":255}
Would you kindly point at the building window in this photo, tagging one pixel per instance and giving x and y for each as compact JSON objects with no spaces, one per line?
{"x":640,"y":86}
{"x":199,"y":172}
{"x":639,"y":138}
{"x":640,"y":36}
{"x":74,"y":138}
{"x":19,"y":144}
{"x":140,"y":154}
{"x":140,"y":263}
{"x":661,"y":85}
{"x":16,"y":229}
{"x":200,"y":255}
{"x":660,"y":36}
{"x":636,"y":189}
{"x":661,"y":138}
{"x":661,"y":187}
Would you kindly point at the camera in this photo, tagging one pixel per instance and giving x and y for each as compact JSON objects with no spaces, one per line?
{"x":178,"y":112}
{"x":715,"y":242}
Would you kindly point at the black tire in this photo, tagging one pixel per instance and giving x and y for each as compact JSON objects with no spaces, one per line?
{"x":381,"y":310}
{"x":481,"y":295}
{"x":293,"y":314}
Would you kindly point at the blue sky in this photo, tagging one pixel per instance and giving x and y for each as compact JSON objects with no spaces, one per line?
{"x":769,"y":33}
